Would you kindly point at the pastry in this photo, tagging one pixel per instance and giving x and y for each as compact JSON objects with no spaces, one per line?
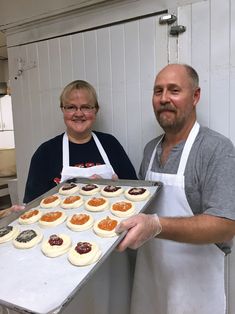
{"x":96,"y":204}
{"x":72,"y":201}
{"x":8,"y":233}
{"x":137,"y":194}
{"x":89,"y":189}
{"x":50,"y":201}
{"x":123,"y":209}
{"x":52,"y":219}
{"x":80,"y":222}
{"x":105,"y":227}
{"x":68,"y":189}
{"x":56,"y":245}
{"x":27,"y":239}
{"x":84,"y":253}
{"x":30,"y":217}
{"x":111,"y":191}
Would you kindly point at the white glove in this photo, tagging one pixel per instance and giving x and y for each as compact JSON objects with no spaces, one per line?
{"x":141,"y":228}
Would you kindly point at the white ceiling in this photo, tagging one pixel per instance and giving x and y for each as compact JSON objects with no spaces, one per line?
{"x":3,"y":48}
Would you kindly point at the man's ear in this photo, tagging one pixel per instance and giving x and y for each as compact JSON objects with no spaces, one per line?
{"x":196,"y":96}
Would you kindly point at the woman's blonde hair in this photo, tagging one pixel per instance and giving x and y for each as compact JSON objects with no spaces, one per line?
{"x":77,"y":85}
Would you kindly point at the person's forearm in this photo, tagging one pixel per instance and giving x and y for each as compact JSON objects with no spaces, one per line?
{"x":5,"y":212}
{"x":197,"y":229}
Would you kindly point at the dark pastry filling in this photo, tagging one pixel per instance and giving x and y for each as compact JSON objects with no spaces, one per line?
{"x":68,"y":186}
{"x":55,"y":240}
{"x":136,"y":191}
{"x":111,"y":188}
{"x":89,"y":187}
{"x":83,"y":247}
{"x":5,"y":230}
{"x":26,"y":236}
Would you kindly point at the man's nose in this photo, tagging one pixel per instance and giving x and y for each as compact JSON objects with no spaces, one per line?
{"x":164,"y":97}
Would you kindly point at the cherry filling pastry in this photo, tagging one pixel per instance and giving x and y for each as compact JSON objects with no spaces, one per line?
{"x":55,"y":240}
{"x":137,"y":191}
{"x":89,"y":187}
{"x":111,"y":188}
{"x":83,"y":247}
{"x":68,"y":186}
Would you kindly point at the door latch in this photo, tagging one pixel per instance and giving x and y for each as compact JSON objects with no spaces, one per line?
{"x":176,"y":30}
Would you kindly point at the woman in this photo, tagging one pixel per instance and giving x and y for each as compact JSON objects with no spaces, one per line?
{"x":78,"y":152}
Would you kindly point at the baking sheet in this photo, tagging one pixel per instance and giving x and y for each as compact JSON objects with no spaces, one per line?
{"x":32,"y":282}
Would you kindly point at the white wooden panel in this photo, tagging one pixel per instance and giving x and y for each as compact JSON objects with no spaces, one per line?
{"x":184,"y":47}
{"x":45,"y":88}
{"x":133,"y":105}
{"x":118,"y":83}
{"x":91,"y":64}
{"x":200,"y":46}
{"x":66,"y":60}
{"x":151,"y":37}
{"x":55,"y":77}
{"x":104,"y":86}
{"x":78,"y":57}
{"x":219,"y":115}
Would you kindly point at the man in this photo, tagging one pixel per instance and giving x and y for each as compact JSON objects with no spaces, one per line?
{"x":180,"y":263}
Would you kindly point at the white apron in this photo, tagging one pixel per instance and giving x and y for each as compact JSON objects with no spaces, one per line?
{"x":112,"y":280}
{"x":105,"y":171}
{"x":171,"y":277}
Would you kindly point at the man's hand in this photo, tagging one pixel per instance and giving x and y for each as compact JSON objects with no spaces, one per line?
{"x":141,"y":228}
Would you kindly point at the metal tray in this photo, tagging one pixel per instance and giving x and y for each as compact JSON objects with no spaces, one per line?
{"x":34,"y":283}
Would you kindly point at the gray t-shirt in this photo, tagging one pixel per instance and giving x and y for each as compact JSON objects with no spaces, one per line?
{"x":209,"y":173}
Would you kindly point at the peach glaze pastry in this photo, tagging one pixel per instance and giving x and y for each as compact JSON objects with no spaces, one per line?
{"x":72,"y":201}
{"x":137,"y":194}
{"x":84,"y":253}
{"x":30,"y":217}
{"x":68,"y":189}
{"x":56,"y":245}
{"x":89,"y":189}
{"x":27,"y":239}
{"x":105,"y":227}
{"x":123,"y":209}
{"x":96,"y":204}
{"x":52,"y":219}
{"x":8,"y":233}
{"x":80,"y":222}
{"x":50,"y":201}
{"x":111,"y":191}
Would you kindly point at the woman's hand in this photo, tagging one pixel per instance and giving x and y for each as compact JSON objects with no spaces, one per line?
{"x":8,"y":211}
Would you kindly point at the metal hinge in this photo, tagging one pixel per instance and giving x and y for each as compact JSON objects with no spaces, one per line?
{"x":167,"y":19}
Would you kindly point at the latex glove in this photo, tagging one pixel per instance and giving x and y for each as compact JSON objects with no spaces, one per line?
{"x":97,"y":177}
{"x":141,"y":228}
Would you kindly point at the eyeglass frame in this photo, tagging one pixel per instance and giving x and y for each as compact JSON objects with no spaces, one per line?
{"x":81,"y":108}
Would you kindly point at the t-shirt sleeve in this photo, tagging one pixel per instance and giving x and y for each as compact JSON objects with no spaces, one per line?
{"x":218,"y":190}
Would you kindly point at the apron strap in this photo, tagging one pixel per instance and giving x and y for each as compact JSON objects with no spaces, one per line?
{"x":187,"y":147}
{"x":65,"y":150}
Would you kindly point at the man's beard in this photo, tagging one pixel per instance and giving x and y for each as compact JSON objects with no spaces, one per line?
{"x":170,"y":125}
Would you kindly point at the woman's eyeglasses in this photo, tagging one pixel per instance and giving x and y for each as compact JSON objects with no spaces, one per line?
{"x":72,"y":108}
